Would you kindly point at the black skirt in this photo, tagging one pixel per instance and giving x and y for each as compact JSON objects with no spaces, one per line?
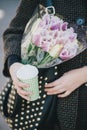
{"x":82,"y":109}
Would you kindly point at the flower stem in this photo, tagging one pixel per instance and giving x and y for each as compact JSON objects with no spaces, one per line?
{"x":46,"y":59}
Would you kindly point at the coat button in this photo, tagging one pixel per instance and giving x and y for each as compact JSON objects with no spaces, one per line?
{"x":80,"y":21}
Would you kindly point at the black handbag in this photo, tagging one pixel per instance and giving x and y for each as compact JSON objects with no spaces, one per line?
{"x":21,"y":114}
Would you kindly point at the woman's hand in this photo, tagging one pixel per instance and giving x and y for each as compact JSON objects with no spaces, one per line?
{"x":17,"y":84}
{"x":66,"y":84}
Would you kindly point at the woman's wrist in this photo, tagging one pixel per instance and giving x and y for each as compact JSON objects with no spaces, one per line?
{"x":80,"y":74}
{"x":83,"y":73}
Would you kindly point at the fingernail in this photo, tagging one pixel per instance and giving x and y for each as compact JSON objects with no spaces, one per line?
{"x":28,"y":99}
{"x":45,"y":85}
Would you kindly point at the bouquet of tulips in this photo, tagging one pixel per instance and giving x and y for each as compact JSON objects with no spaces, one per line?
{"x":50,"y":42}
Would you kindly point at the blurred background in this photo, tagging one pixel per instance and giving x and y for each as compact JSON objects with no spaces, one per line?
{"x":7,"y":12}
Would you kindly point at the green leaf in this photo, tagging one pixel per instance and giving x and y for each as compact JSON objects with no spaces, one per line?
{"x":29,"y":48}
{"x":40,"y":55}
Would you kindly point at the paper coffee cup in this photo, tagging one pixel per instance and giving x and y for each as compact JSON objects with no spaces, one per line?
{"x":29,"y":74}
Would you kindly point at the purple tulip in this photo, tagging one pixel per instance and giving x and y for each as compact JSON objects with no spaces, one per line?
{"x":64,"y":26}
{"x":45,"y":46}
{"x":64,"y":55}
{"x":69,"y":50}
{"x":55,"y":26}
{"x":73,"y":37}
{"x":36,"y":39}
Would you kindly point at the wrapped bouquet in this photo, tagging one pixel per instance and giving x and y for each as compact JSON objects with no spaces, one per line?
{"x":50,"y":42}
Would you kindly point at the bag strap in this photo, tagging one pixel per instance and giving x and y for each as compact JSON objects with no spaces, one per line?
{"x":49,"y":7}
{"x":49,"y":3}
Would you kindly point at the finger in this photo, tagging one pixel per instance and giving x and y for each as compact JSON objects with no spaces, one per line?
{"x":25,"y":97}
{"x":15,"y":86}
{"x":53,"y":89}
{"x":22,"y":91}
{"x":56,"y":92}
{"x":22,"y":85}
{"x":64,"y":94}
{"x":55,"y":83}
{"x":24,"y":94}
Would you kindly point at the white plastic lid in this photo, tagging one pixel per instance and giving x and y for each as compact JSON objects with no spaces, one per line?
{"x":27,"y":72}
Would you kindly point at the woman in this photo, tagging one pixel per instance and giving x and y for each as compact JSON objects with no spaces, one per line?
{"x":70,"y":86}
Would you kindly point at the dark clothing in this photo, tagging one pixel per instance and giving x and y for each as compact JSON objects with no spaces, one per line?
{"x":70,"y":11}
{"x":73,"y":108}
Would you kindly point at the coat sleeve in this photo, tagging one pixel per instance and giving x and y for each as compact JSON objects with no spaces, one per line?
{"x":13,"y":34}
